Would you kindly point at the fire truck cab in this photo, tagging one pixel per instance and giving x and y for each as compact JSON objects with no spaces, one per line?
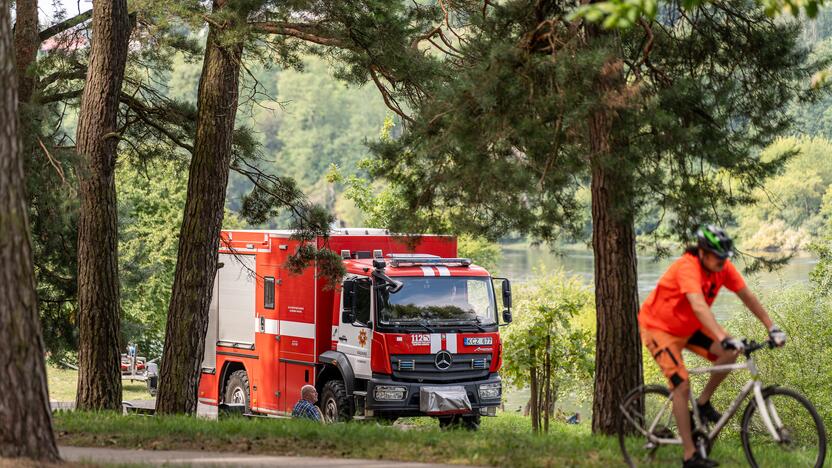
{"x":412,"y":330}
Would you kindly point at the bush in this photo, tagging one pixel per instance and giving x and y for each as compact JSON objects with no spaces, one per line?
{"x":805,"y":363}
{"x":547,"y":348}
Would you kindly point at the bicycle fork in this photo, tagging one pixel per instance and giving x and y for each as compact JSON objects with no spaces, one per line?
{"x":767,"y":412}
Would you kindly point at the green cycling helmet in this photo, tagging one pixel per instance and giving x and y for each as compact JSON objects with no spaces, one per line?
{"x":715,"y":240}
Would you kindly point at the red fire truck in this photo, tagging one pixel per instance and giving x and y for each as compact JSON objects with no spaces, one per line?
{"x":411,"y":330}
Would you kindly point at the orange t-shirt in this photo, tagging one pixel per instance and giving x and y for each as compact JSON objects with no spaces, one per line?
{"x":667,"y":308}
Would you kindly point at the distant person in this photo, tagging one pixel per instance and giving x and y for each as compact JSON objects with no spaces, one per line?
{"x":305,"y":407}
{"x":574,"y":419}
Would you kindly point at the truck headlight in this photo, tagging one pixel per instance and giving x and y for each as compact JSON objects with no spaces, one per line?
{"x":490,"y":390}
{"x":389,"y":392}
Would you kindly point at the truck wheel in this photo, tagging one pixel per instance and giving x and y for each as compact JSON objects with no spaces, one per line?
{"x":238,"y":391}
{"x":447,"y":422}
{"x":471,"y":422}
{"x":386,"y":419}
{"x":335,"y":404}
{"x":152,"y":373}
{"x":152,"y":385}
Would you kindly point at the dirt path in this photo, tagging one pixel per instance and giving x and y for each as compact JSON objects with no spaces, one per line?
{"x":200,"y":458}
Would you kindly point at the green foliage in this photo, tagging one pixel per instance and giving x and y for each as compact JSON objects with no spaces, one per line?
{"x":483,"y":252}
{"x":380,"y":203}
{"x":805,"y":363}
{"x":557,"y":309}
{"x":822,"y":247}
{"x":787,"y":212}
{"x":502,"y":146}
{"x":151,"y":198}
{"x":623,"y":14}
{"x":314,"y":122}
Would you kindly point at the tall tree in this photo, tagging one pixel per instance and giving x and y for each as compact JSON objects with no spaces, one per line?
{"x":25,"y":415}
{"x":368,"y":40}
{"x":99,"y":369}
{"x":618,"y":365}
{"x":26,"y":43}
{"x":196,"y":261}
{"x":673,"y":112}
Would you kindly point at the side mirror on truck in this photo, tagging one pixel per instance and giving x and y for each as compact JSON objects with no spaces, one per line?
{"x":348,"y":310}
{"x":506,"y":288}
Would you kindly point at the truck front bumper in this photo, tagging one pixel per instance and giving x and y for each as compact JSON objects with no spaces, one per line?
{"x":480,"y":394}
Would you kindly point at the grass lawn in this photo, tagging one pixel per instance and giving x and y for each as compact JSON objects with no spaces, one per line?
{"x":502,"y":441}
{"x":62,"y":383}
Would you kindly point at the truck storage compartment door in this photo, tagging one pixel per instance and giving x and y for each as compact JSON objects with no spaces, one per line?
{"x":293,"y":377}
{"x":236,"y":291}
{"x":209,"y":360}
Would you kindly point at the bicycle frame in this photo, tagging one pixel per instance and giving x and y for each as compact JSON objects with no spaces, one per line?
{"x":767,"y":411}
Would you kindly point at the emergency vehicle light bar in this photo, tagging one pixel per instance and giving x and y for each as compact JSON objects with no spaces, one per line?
{"x":397,"y":262}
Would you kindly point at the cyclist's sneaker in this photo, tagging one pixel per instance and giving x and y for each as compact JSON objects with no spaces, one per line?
{"x":708,"y":414}
{"x":696,"y":461}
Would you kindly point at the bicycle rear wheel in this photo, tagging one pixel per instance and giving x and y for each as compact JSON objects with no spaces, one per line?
{"x":647,"y":410}
{"x":797,"y":422}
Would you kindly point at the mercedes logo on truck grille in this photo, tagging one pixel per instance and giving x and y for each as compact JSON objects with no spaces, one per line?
{"x":443,"y":360}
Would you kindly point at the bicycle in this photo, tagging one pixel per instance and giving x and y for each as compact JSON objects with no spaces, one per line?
{"x":768,"y":422}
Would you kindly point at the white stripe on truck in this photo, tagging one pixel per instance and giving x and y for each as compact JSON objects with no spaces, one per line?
{"x":450,"y":343}
{"x":297,"y":329}
{"x":435,"y":343}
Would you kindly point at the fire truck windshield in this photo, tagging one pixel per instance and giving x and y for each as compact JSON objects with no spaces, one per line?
{"x":439,"y":299}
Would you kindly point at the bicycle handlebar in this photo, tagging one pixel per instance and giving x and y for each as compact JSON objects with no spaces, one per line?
{"x":752,"y":346}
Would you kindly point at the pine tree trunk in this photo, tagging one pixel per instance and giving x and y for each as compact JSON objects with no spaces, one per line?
{"x":25,"y":416}
{"x":617,"y":349}
{"x":99,"y":368}
{"x":196,"y":263}
{"x":618,"y":367}
{"x":26,"y":44}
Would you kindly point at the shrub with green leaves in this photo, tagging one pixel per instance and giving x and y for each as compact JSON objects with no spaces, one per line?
{"x":805,"y":363}
{"x":549,"y":346}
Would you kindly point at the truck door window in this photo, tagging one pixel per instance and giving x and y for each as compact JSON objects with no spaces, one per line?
{"x":362,"y":301}
{"x":478,"y":295}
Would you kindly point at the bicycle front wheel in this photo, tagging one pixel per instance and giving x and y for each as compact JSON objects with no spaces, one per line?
{"x":799,"y":426}
{"x":647,"y":420}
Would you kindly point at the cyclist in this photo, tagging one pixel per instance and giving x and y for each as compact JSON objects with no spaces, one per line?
{"x":677,"y":315}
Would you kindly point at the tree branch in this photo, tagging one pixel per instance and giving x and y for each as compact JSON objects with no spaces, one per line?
{"x":306,"y":32}
{"x":142,"y":112}
{"x":75,"y":74}
{"x":385,"y":94}
{"x":57,"y":97}
{"x":68,"y":23}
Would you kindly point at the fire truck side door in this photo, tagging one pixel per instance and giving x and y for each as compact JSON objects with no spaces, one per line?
{"x":354,"y":339}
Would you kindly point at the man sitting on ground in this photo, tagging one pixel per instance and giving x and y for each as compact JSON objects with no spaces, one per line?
{"x":305,"y":407}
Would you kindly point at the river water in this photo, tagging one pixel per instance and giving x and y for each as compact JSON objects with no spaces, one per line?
{"x":520,"y":262}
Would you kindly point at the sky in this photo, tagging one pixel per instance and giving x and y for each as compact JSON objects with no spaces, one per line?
{"x":72,"y":7}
